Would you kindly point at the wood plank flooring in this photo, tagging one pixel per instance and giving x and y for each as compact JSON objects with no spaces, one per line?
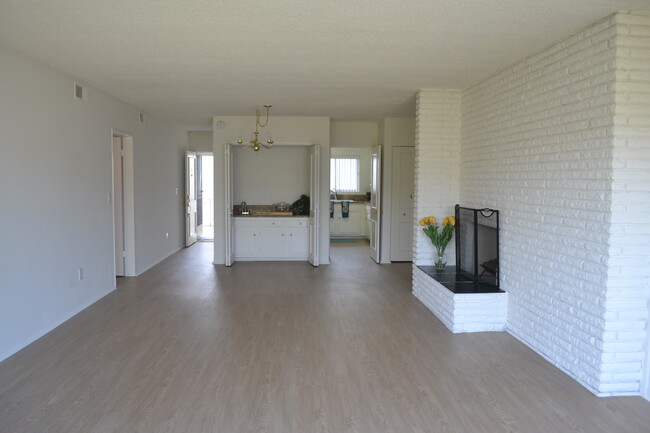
{"x":283,"y":347}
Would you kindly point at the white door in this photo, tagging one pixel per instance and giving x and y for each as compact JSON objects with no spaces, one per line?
{"x":190,"y":198}
{"x":228,"y":216}
{"x":118,"y":205}
{"x":401,"y":226}
{"x":375,"y":203}
{"x":314,"y":207}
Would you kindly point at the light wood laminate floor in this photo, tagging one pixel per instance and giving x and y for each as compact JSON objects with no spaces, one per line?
{"x":189,"y":347}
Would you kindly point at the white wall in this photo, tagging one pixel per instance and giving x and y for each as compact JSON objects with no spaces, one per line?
{"x":56,"y":178}
{"x":285,"y":129}
{"x":537,"y":146}
{"x":559,"y":144}
{"x":200,"y":141}
{"x":360,"y":134}
{"x":270,"y":176}
{"x":628,"y":276}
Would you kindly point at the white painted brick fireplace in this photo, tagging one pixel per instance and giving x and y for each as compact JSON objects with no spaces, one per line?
{"x":560,"y":144}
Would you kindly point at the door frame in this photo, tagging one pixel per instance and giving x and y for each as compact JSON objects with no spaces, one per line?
{"x":375,"y":201}
{"x":191,"y":238}
{"x":228,"y":210}
{"x":314,"y":205}
{"x":314,"y":219}
{"x":128,"y":201}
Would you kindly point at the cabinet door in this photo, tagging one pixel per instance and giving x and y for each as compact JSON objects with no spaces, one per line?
{"x":245,"y":242}
{"x":334,"y":226}
{"x":298,"y":243}
{"x":350,"y":226}
{"x":272,"y":242}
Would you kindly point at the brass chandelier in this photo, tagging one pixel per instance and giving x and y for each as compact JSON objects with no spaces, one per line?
{"x":255,"y":143}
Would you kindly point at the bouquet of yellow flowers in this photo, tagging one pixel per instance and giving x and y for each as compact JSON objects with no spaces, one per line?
{"x":439,"y":239}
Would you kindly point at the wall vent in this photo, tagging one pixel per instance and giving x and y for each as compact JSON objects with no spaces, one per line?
{"x":80,"y":92}
{"x":141,"y":114}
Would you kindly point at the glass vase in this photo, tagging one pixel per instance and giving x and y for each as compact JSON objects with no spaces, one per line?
{"x":441,"y":261}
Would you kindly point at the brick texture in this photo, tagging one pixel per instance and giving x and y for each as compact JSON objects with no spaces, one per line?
{"x":560,"y":144}
{"x":628,"y":276}
{"x":437,"y":164}
{"x":537,"y":145}
{"x":474,"y":312}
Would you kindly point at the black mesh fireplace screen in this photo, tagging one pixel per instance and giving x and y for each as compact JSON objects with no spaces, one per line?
{"x":477,"y":244}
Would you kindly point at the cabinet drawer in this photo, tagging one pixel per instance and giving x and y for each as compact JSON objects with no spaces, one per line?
{"x":298,"y":223}
{"x":245,"y":222}
{"x":274,"y":222}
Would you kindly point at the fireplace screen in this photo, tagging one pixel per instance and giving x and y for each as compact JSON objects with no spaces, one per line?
{"x":477,"y":244}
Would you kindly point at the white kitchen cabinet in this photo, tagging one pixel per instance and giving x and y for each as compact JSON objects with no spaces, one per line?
{"x":272,"y":242}
{"x":245,"y":242}
{"x":271,"y":238}
{"x":352,"y":227}
{"x":298,"y":243}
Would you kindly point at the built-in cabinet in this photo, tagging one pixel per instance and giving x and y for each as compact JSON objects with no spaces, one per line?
{"x":354,"y":226}
{"x":281,"y":238}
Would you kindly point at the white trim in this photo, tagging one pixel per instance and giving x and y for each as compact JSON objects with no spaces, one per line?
{"x":228,"y":194}
{"x":52,"y":325}
{"x":314,"y":204}
{"x":129,"y":203}
{"x":142,"y":271}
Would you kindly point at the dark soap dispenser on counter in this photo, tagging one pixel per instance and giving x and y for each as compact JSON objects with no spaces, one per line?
{"x":244,"y":208}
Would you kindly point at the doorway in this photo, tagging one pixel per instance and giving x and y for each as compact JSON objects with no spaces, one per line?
{"x":122,"y":199}
{"x":350,"y":168}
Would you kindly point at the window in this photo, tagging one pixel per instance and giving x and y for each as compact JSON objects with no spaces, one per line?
{"x":344,"y":174}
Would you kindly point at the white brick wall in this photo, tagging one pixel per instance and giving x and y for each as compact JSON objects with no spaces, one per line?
{"x":460,"y":312}
{"x":437,"y":164}
{"x":560,"y":144}
{"x":628,"y":277}
{"x":540,"y":143}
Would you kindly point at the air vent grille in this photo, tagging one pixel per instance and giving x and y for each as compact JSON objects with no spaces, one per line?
{"x":80,"y":92}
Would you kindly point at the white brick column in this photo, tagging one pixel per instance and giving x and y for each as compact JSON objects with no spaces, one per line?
{"x":437,"y":164}
{"x":628,"y":275}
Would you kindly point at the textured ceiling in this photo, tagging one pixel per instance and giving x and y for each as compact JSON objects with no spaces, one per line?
{"x":187,"y":60}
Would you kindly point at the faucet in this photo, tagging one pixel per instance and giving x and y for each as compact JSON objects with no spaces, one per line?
{"x":333,"y":192}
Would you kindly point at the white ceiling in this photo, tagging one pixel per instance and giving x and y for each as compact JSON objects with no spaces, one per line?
{"x":186,"y":60}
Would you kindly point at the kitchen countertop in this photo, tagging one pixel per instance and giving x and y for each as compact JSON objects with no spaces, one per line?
{"x":351,"y":201}
{"x":270,"y":216}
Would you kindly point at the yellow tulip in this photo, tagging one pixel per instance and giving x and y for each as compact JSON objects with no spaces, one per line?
{"x":432,"y":220}
{"x":452,"y":221}
{"x":422,"y":222}
{"x":445,"y":221}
